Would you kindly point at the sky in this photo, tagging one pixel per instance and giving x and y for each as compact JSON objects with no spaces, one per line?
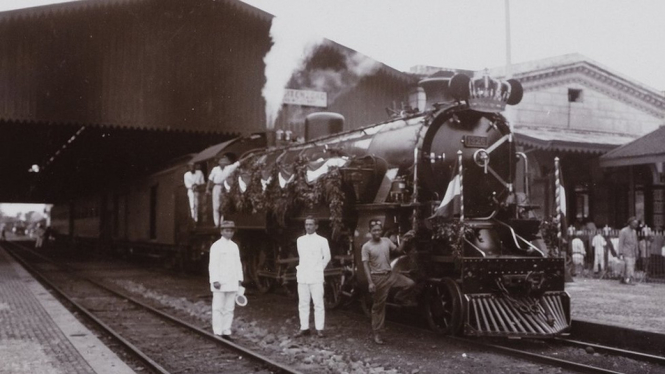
{"x":625,"y":36}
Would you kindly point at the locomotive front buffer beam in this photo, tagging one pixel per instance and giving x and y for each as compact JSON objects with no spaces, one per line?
{"x":500,"y":297}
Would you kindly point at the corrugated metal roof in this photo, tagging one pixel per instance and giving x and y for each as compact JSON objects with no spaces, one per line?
{"x":211,"y":152}
{"x":570,"y":140}
{"x":648,"y":149}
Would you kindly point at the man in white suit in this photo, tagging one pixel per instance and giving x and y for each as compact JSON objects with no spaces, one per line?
{"x":226,"y":276}
{"x":314,"y":255}
{"x":194,"y":180}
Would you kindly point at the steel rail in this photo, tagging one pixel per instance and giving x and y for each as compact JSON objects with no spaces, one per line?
{"x":555,"y":362}
{"x":238,"y":348}
{"x":135,"y":350}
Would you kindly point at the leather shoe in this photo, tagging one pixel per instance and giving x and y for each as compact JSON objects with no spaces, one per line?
{"x":227,"y":337}
{"x":319,"y":333}
{"x":378,"y":340}
{"x":302,"y":333}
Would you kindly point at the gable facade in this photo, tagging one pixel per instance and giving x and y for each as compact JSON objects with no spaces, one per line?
{"x":577,"y":110}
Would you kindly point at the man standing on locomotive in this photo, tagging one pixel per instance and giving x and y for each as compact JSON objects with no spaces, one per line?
{"x":216,"y":179}
{"x":193,"y":179}
{"x":226,"y":276}
{"x":380,"y":277}
{"x":314,"y":255}
{"x":628,"y":248}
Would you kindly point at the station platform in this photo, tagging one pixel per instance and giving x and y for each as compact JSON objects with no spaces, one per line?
{"x":606,"y":301}
{"x":39,"y":335}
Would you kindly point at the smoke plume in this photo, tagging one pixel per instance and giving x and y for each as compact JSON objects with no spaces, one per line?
{"x":290,"y":47}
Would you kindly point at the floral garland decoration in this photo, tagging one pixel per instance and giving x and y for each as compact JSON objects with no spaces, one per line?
{"x":228,"y":198}
{"x":284,"y":202}
{"x":330,"y":188}
{"x":549,"y":230}
{"x":253,"y":196}
{"x":452,"y":233}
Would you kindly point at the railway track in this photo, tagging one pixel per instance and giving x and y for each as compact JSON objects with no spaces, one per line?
{"x":577,"y":356}
{"x":574,"y":355}
{"x":165,"y":344}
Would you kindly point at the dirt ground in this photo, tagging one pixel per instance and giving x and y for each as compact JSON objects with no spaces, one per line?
{"x":269,"y":321}
{"x":638,"y":306}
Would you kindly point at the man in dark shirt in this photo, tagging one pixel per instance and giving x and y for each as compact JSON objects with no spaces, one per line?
{"x":380,"y":277}
{"x":628,"y":248}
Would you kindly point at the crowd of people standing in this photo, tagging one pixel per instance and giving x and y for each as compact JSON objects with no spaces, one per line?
{"x":604,"y":253}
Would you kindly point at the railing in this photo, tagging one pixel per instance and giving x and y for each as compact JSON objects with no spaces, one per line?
{"x":650,"y":265}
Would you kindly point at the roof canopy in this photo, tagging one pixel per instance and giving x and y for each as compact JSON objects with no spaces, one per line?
{"x":569,"y":141}
{"x":645,"y":150}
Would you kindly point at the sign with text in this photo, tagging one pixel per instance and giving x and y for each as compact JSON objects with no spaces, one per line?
{"x":307,"y":98}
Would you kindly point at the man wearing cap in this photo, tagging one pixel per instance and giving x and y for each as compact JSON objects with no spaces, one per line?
{"x":380,"y":277}
{"x":226,"y":276}
{"x":314,"y":255}
{"x":193,"y":179}
{"x":628,"y":248}
{"x":218,"y":175}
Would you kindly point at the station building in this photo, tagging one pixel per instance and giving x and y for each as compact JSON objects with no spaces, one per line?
{"x":578,"y":110}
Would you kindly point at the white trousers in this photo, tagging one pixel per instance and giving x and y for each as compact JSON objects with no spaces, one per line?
{"x":216,"y":203}
{"x":193,"y":203}
{"x":223,"y":304}
{"x":599,"y":259}
{"x":314,"y":292}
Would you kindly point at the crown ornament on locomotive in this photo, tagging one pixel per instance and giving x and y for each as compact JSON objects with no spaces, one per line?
{"x":484,"y":93}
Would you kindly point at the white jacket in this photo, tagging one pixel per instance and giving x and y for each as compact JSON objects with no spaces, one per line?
{"x":314,"y":254}
{"x":225,"y":266}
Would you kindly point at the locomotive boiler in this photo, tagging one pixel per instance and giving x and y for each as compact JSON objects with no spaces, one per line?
{"x":450,"y":172}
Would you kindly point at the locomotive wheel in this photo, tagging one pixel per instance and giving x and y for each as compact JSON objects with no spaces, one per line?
{"x":290,"y":289}
{"x":332,"y":291}
{"x":262,"y":261}
{"x":444,"y":307}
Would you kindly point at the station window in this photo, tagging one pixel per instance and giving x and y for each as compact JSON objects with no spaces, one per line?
{"x":581,"y":202}
{"x":575,"y":95}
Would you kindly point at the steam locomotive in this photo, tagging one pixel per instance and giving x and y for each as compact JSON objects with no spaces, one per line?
{"x":450,"y":172}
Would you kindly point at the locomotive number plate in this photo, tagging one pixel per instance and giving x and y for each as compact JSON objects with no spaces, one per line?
{"x":471,"y":141}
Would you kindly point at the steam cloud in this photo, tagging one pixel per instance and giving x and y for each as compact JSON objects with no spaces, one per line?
{"x":302,"y":60}
{"x":291,"y":46}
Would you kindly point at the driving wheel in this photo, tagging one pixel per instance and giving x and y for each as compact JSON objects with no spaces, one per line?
{"x":444,"y":307}
{"x":263,"y":264}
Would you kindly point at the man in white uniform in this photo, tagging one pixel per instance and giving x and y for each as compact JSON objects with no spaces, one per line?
{"x":193,"y":179}
{"x":579,"y":253}
{"x":226,"y":275}
{"x":314,"y":255}
{"x":216,"y":179}
{"x":599,"y":243}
